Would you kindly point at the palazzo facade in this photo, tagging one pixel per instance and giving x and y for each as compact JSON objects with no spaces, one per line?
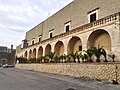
{"x":78,"y":26}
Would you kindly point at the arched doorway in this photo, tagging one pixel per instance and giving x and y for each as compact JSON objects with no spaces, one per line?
{"x":25,"y":55}
{"x":59,"y":48}
{"x":34,"y":53}
{"x":47,"y":49}
{"x":74,"y":45}
{"x":100,"y":38}
{"x":30,"y":54}
{"x":4,"y":61}
{"x":40,"y":51}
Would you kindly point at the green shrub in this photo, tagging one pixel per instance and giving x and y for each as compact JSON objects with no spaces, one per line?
{"x":22,"y":60}
{"x":33,"y":60}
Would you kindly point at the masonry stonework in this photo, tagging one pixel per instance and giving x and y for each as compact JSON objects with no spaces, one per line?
{"x":95,"y":70}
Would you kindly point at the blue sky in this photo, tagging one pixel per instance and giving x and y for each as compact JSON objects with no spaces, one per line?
{"x":19,"y":16}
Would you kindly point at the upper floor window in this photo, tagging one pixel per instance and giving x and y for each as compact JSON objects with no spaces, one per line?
{"x":39,"y":38}
{"x":33,"y":41}
{"x":93,"y":15}
{"x":67,"y":26}
{"x":27,"y":43}
{"x":51,"y":33}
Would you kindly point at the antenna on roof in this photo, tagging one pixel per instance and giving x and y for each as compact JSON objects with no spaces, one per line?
{"x":49,"y":14}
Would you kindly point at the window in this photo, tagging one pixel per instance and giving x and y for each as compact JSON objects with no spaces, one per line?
{"x":27,"y":44}
{"x":33,"y":41}
{"x":93,"y":15}
{"x":67,"y":26}
{"x":80,"y":48}
{"x":51,"y":33}
{"x":39,"y":38}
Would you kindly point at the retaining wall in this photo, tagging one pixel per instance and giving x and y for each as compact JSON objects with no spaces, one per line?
{"x":98,"y":71}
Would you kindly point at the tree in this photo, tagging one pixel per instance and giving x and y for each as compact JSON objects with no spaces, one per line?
{"x":112,"y":56}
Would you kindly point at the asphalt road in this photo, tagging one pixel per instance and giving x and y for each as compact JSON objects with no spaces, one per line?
{"x":16,"y":79}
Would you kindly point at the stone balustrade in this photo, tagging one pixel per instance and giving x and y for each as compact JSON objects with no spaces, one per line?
{"x":105,"y":20}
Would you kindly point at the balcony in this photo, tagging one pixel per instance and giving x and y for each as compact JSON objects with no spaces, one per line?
{"x":103,"y":21}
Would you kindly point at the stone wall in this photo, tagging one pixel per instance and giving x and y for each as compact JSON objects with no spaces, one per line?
{"x":94,"y":70}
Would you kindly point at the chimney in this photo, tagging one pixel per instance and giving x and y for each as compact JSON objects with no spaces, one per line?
{"x":11,"y":48}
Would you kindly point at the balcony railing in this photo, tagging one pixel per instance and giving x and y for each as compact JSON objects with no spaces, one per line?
{"x":99,"y":22}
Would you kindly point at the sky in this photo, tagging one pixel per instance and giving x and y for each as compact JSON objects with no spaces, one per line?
{"x":19,"y":16}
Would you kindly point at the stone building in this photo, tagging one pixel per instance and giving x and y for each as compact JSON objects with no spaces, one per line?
{"x":79,"y":25}
{"x":7,"y":56}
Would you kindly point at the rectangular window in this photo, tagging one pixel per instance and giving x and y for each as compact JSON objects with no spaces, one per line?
{"x":80,"y":48}
{"x":39,"y":38}
{"x":93,"y":17}
{"x":51,"y":33}
{"x":67,"y":28}
{"x":27,"y":44}
{"x":33,"y":42}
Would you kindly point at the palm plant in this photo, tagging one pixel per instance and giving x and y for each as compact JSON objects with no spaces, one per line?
{"x":82,"y":57}
{"x":73,"y":55}
{"x":61,"y":58}
{"x":50,"y":55}
{"x":104,"y":54}
{"x":89,"y":53}
{"x":68,"y":57}
{"x":112,"y":56}
{"x":45,"y":59}
{"x":85,"y":57}
{"x":39,"y":60}
{"x":77,"y":57}
{"x":97,"y":52}
{"x":56,"y":59}
{"x":33,"y":60}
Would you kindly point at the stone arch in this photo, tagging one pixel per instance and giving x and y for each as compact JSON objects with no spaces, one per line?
{"x":75,"y":44}
{"x":26,"y":54}
{"x":47,"y":49}
{"x":4,"y":61}
{"x":30,"y":54}
{"x":99,"y":38}
{"x":59,"y":48}
{"x":34,"y":53}
{"x":40,"y":51}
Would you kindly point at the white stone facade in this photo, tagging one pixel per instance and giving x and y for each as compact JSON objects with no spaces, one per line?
{"x":103,"y":30}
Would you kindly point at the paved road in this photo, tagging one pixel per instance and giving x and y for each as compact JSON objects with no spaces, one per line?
{"x":16,"y":79}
